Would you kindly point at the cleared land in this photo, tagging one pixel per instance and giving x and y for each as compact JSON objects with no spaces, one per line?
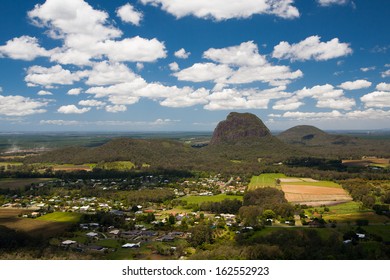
{"x":34,"y":227}
{"x":64,"y":217}
{"x":265,"y":180}
{"x":302,"y":190}
{"x":214,"y":198}
{"x":368,"y":161}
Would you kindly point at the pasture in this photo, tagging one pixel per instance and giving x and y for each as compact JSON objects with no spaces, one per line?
{"x":33,"y":227}
{"x":368,"y":161}
{"x":213,"y":198}
{"x":265,"y":180}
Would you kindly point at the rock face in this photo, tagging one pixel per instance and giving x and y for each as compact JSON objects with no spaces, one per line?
{"x":239,"y":127}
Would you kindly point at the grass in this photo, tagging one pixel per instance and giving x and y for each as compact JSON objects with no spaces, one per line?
{"x":380,"y":230}
{"x":110,"y":243}
{"x":116,"y":165}
{"x":63,"y":217}
{"x":324,"y":233}
{"x":214,"y":198}
{"x":264,"y":180}
{"x":328,"y":184}
{"x":20,"y":183}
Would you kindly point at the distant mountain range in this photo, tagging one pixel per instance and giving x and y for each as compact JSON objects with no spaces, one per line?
{"x":241,"y":138}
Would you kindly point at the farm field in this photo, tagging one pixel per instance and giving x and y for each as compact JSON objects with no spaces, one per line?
{"x":265,"y":180}
{"x":214,"y":198}
{"x":33,"y":227}
{"x":302,"y":190}
{"x":378,"y":162}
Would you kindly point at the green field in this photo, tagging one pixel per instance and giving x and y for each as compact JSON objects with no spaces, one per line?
{"x":6,"y":164}
{"x":116,"y":165}
{"x":380,"y":230}
{"x":265,"y":180}
{"x":64,"y":217}
{"x":214,"y":198}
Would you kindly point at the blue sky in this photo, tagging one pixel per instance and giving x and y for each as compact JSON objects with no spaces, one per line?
{"x":174,"y":65}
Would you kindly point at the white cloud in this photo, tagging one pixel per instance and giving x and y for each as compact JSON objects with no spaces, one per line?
{"x":56,"y":75}
{"x":128,"y":14}
{"x":106,"y":73}
{"x":159,"y":122}
{"x":226,"y":9}
{"x":139,"y":66}
{"x":326,"y":3}
{"x":246,"y":54}
{"x":174,"y":67}
{"x":16,"y":105}
{"x":383,"y":87}
{"x":353,"y":85}
{"x":288,"y":104}
{"x":134,"y":49}
{"x":76,"y":17}
{"x":74,"y":91}
{"x":339,"y":103}
{"x":44,"y":92}
{"x":91,"y":103}
{"x":59,"y":122}
{"x":116,"y":108}
{"x":386,"y":74}
{"x":187,"y":98}
{"x":370,"y":114}
{"x":72,"y":109}
{"x":182,"y":53}
{"x":274,"y":75}
{"x":202,"y":72}
{"x":380,"y":99}
{"x":24,"y":48}
{"x":311,"y":48}
{"x":313,"y":115}
{"x":366,"y":69}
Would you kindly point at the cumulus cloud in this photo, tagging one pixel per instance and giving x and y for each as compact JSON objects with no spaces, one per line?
{"x":74,"y":91}
{"x":288,"y":104}
{"x":44,"y":92}
{"x":16,"y":105}
{"x":47,"y":77}
{"x":72,"y":109}
{"x":76,"y":17}
{"x":116,"y":108}
{"x":385,"y":74}
{"x":339,"y":103}
{"x":182,"y":53}
{"x":128,"y":14}
{"x":311,"y":48}
{"x":106,"y":73}
{"x":139,"y":66}
{"x":379,"y":99}
{"x":202,"y":72}
{"x":246,"y":54}
{"x":353,"y":85}
{"x":240,"y":64}
{"x":326,"y":3}
{"x":383,"y":87}
{"x":226,"y":9}
{"x":23,"y":48}
{"x":313,"y":115}
{"x":174,"y":67}
{"x":91,"y":103}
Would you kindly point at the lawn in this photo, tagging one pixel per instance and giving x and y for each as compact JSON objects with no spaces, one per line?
{"x":63,"y":217}
{"x":214,"y":198}
{"x":265,"y":180}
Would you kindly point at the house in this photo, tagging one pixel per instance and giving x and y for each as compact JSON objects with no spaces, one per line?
{"x":166,"y":238}
{"x":115,"y":232}
{"x":68,"y":242}
{"x":361,"y":235}
{"x":92,"y":234}
{"x":132,"y":245}
{"x":347,"y":241}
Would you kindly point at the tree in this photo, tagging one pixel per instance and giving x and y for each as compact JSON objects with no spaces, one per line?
{"x":200,"y":234}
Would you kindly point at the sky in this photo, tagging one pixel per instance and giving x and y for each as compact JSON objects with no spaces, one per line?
{"x":175,"y":65}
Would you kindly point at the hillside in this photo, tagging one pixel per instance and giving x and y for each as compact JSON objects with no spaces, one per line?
{"x":317,"y":142}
